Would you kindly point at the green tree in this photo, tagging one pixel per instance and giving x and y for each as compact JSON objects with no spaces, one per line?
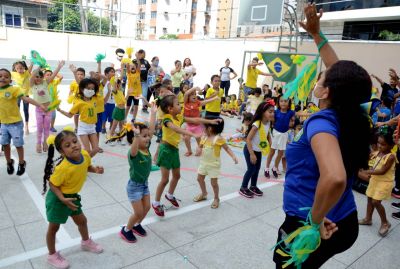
{"x":94,"y":24}
{"x":389,"y":36}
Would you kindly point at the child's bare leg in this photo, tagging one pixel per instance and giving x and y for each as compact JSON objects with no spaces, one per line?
{"x":138,"y":213}
{"x":127,"y":109}
{"x":370,"y":210}
{"x":20,"y":151}
{"x":76,"y":119}
{"x":81,"y":221}
{"x":135,"y":111}
{"x":85,"y":142}
{"x":156,"y":154}
{"x":113,"y":127}
{"x":146,"y":207}
{"x":176,"y":175}
{"x":51,"y":237}
{"x":186,"y":138}
{"x":381,"y":210}
{"x":163,"y":183}
{"x":202,"y":184}
{"x":269,"y":159}
{"x":284,"y":163}
{"x":198,"y":149}
{"x":94,"y":142}
{"x":215,"y":186}
{"x":7,"y":152}
{"x":278,"y":159}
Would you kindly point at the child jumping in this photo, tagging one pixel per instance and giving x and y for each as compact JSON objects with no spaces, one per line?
{"x":381,"y":182}
{"x":168,"y":156}
{"x":210,"y":161}
{"x":63,"y":200}
{"x":134,"y":90}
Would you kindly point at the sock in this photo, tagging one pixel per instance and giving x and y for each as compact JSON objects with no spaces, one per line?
{"x":126,"y":229}
{"x":170,"y":196}
{"x":266,"y":169}
{"x":156,"y":203}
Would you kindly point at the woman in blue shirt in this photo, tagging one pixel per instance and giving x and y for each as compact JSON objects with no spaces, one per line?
{"x":323,"y":158}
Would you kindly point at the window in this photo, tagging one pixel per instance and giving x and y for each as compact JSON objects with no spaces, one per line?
{"x":177,"y":30}
{"x":165,"y":31}
{"x":142,"y":2}
{"x":153,"y":30}
{"x":194,"y":5}
{"x":142,"y":15}
{"x":154,"y":14}
{"x":13,"y":20}
{"x":153,"y":1}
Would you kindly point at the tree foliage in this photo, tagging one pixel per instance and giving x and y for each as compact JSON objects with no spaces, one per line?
{"x":389,"y":36}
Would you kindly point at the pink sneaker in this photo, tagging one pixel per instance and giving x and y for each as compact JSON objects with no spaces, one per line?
{"x":90,"y":245}
{"x":57,"y":261}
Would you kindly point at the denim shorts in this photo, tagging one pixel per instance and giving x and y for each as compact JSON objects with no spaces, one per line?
{"x":136,"y":191}
{"x":14,"y":131}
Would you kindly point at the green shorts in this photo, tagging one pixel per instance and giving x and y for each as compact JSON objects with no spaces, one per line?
{"x":57,"y":211}
{"x":118,"y":114}
{"x":168,"y":157}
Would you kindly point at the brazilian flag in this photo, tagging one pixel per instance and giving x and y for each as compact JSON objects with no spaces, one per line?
{"x":280,"y":65}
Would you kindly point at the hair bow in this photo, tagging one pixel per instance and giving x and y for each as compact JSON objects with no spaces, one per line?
{"x":270,"y":102}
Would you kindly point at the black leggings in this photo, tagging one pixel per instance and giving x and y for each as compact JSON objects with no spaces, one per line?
{"x":340,"y":241}
{"x":225,"y":85}
{"x":26,"y":109}
{"x":252,"y":169}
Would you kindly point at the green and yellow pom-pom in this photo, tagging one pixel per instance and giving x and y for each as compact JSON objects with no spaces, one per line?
{"x":99,"y":57}
{"x":50,"y":140}
{"x":68,"y":128}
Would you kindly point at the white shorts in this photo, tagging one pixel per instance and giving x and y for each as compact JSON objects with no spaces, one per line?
{"x":86,"y":129}
{"x":279,"y":140}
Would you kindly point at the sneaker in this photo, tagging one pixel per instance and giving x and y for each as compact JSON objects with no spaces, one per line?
{"x":127,"y":236}
{"x":91,"y":246}
{"x":53,"y":130}
{"x":159,"y":210}
{"x":57,"y":261}
{"x":266,"y":173}
{"x":112,"y":143}
{"x":139,"y":230}
{"x":275,"y":172}
{"x":103,"y":131}
{"x":246,"y":193}
{"x":123,"y":143}
{"x":396,"y":215}
{"x":396,"y":206}
{"x":256,"y":191}
{"x":173,"y":201}
{"x":21,"y":168}
{"x":384,"y":229}
{"x":396,"y":193}
{"x":10,"y":167}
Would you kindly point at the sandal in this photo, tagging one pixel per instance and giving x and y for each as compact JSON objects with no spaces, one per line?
{"x":45,"y":147}
{"x":384,"y":230}
{"x":189,"y":153}
{"x":38,"y":148}
{"x":365,"y":222}
{"x":215,"y":204}
{"x":198,"y":152}
{"x":101,"y":150}
{"x":199,"y":198}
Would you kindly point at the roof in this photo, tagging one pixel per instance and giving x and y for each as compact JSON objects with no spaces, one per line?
{"x":38,"y":2}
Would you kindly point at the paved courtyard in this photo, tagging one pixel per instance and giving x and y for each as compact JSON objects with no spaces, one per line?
{"x":239,"y":234}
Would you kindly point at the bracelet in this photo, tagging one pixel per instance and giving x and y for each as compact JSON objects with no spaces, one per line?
{"x":323,"y":42}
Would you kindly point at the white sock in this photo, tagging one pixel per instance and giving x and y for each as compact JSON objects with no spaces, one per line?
{"x":266,"y":169}
{"x":170,"y":196}
{"x":126,"y":229}
{"x":156,"y":203}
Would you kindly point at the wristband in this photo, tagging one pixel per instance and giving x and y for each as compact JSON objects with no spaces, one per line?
{"x":323,"y":42}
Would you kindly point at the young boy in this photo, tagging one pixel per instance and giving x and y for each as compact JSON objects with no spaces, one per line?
{"x":109,"y":101}
{"x":118,"y":114}
{"x":213,"y":109}
{"x":56,"y":81}
{"x":12,"y":127}
{"x":134,"y":90}
{"x":79,"y":74}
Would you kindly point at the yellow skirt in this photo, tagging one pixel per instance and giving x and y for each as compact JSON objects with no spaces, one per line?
{"x":379,"y":190}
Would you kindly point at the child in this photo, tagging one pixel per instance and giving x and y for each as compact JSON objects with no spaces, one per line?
{"x":192,"y":110}
{"x":241,"y":133}
{"x":109,"y":73}
{"x":11,"y":121}
{"x":254,"y":100}
{"x":139,"y":159}
{"x":225,"y":110}
{"x":213,"y":109}
{"x":381,"y":182}
{"x":63,"y":200}
{"x":79,"y":74}
{"x":184,"y":87}
{"x":85,"y":106}
{"x":54,"y":84}
{"x":258,"y":140}
{"x":21,"y":74}
{"x":210,"y":161}
{"x":283,"y":115}
{"x":293,"y":125}
{"x":232,"y":104}
{"x":134,"y":90}
{"x":118,"y":114}
{"x":383,"y":112}
{"x":41,"y":94}
{"x":168,"y":156}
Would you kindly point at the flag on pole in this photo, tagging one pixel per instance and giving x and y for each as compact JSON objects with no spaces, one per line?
{"x":281,"y":66}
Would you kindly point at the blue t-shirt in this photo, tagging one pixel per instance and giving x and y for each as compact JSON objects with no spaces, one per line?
{"x":302,"y":170}
{"x":282,"y":120}
{"x":384,"y":110}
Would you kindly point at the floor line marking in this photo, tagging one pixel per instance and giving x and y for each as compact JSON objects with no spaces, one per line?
{"x":114,"y":230}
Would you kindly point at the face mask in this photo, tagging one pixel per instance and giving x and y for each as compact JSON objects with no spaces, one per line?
{"x":155,"y":63}
{"x":88,"y":93}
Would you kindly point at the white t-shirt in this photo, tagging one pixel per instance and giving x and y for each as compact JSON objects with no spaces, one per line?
{"x":225,"y":73}
{"x":111,"y":98}
{"x":255,"y":142}
{"x":189,"y":70}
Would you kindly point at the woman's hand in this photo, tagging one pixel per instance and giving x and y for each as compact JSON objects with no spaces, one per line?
{"x":311,"y":24}
{"x":253,"y":158}
{"x":98,"y":169}
{"x":69,"y":202}
{"x":327,"y":229}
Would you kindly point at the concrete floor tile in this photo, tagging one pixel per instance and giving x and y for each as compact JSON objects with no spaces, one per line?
{"x":10,"y":244}
{"x":170,"y":259}
{"x":6,"y":220}
{"x":333,"y":264}
{"x":33,"y":235}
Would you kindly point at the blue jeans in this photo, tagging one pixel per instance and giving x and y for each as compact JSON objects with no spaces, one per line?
{"x":252,"y":169}
{"x":145,"y":88}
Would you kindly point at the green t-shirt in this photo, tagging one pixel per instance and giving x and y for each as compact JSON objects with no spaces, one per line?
{"x":139,"y":166}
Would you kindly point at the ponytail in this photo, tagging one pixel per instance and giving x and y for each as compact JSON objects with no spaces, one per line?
{"x":48,"y":169}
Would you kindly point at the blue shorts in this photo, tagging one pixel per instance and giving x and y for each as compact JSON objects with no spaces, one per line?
{"x":99,"y":122}
{"x":14,"y":131}
{"x":107,"y":114}
{"x":247,"y":91}
{"x":53,"y":114}
{"x":136,"y":191}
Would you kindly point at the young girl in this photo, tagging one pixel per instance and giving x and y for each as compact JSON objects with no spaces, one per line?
{"x":63,"y":200}
{"x":381,"y":182}
{"x":241,"y":133}
{"x":84,"y":105}
{"x":225,"y":109}
{"x":139,"y":159}
{"x":118,"y":114}
{"x":210,"y":161}
{"x":254,"y":100}
{"x":134,"y":90}
{"x":21,"y":74}
{"x":184,"y":87}
{"x":168,"y":156}
{"x":54,"y":84}
{"x":40,"y":92}
{"x":257,"y":144}
{"x":283,"y":115}
{"x":192,"y":110}
{"x":79,"y":74}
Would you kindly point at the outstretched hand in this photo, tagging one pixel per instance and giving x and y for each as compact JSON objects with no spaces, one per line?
{"x":311,"y":24}
{"x":327,"y":229}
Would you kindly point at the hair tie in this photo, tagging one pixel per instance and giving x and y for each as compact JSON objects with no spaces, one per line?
{"x":68,"y":128}
{"x":270,"y":102}
{"x":50,"y":140}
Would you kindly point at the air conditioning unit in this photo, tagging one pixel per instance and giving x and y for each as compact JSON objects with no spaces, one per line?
{"x":31,"y":20}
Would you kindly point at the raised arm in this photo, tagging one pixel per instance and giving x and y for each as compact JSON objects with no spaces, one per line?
{"x":135,"y":142}
{"x":189,"y":92}
{"x":380,"y":81}
{"x":312,"y":26}
{"x":55,"y":73}
{"x":153,"y":117}
{"x":73,"y":70}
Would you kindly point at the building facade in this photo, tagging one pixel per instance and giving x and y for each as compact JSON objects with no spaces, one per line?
{"x":24,"y":14}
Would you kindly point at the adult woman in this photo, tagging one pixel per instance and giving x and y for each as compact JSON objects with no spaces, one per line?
{"x":177,"y":76}
{"x":155,"y":74}
{"x":326,"y":154}
{"x":190,"y":70}
{"x":225,"y":74}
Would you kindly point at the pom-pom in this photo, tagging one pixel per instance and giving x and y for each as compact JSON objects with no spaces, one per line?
{"x":126,"y":61}
{"x":68,"y":128}
{"x":298,"y":59}
{"x":129,"y":52}
{"x":50,"y":140}
{"x":100,"y":57}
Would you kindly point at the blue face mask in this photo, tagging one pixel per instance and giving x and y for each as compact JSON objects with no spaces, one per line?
{"x":155,"y":63}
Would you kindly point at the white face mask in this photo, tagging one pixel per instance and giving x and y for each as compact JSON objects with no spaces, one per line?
{"x":88,"y":93}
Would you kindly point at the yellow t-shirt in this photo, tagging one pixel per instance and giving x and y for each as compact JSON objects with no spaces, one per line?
{"x":86,"y":110}
{"x":22,"y":80}
{"x":55,"y":83}
{"x":69,"y":176}
{"x":73,"y":92}
{"x":168,"y":135}
{"x":160,"y":114}
{"x":119,"y":98}
{"x":100,"y":99}
{"x":134,"y":83}
{"x":217,"y":145}
{"x":254,"y":101}
{"x":181,"y":98}
{"x":9,"y":110}
{"x":252,"y":75}
{"x":225,"y":106}
{"x":214,"y":106}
